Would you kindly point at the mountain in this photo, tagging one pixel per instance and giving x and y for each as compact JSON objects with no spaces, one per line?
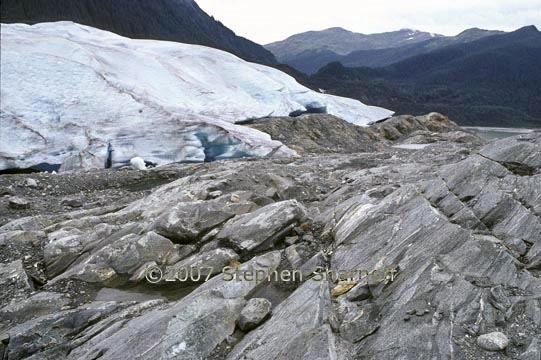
{"x":493,"y":81}
{"x":311,"y":60}
{"x":341,"y":42}
{"x":384,"y":57}
{"x":163,"y":101}
{"x":174,"y":20}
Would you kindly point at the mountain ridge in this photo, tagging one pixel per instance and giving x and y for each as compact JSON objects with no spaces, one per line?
{"x":342,"y":41}
{"x":179,"y":20}
{"x":311,"y":60}
{"x":493,"y":81}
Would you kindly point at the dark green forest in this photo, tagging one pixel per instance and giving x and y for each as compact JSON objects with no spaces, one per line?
{"x":494,"y":81}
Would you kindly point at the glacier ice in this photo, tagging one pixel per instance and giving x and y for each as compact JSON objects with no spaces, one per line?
{"x":68,"y":88}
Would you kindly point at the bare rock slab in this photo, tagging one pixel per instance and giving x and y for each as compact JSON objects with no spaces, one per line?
{"x":519,"y":154}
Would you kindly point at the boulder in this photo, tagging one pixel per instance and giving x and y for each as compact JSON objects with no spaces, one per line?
{"x":255,"y":311}
{"x":31,"y":183}
{"x":263,"y":227}
{"x":18,"y":203}
{"x":494,"y":341}
{"x":64,"y":246}
{"x":187,"y":222}
{"x":72,"y":202}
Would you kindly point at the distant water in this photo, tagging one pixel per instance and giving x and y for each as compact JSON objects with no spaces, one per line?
{"x":491,"y":133}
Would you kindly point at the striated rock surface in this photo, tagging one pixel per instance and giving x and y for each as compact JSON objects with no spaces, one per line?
{"x":519,"y":154}
{"x":400,"y":253}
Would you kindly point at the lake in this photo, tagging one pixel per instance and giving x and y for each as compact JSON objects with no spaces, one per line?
{"x":491,"y":133}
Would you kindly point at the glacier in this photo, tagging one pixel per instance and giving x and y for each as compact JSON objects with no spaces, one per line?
{"x":68,"y":89}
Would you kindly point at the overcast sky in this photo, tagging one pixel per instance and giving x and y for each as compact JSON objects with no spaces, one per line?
{"x":266,"y":21}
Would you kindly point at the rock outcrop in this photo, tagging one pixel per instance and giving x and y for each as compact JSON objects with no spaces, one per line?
{"x":520,"y":154}
{"x":318,"y":133}
{"x":323,"y":133}
{"x":392,"y":253}
{"x":430,"y":128}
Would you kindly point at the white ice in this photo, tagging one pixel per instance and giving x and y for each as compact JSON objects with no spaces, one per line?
{"x":67,"y":88}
